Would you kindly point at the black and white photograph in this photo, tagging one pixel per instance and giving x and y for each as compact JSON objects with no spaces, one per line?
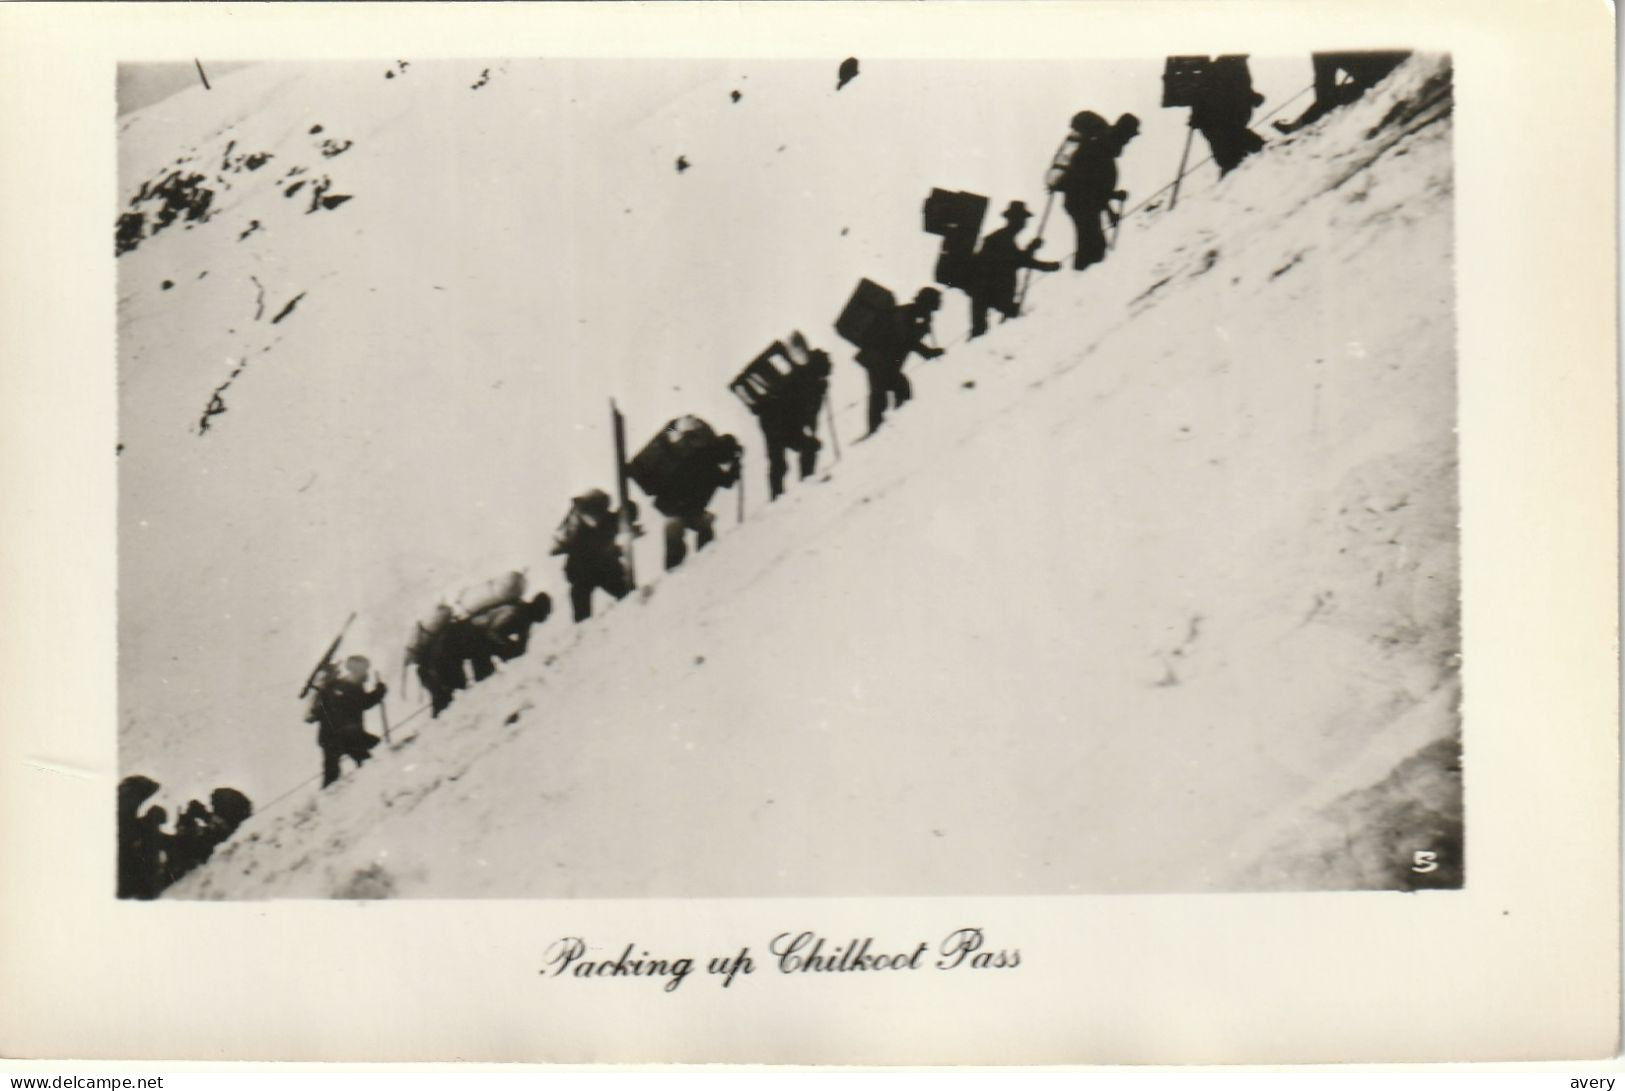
{"x":787,"y":534}
{"x":549,"y":478}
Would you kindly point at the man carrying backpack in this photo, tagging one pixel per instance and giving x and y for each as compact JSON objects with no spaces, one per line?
{"x":1223,"y":109}
{"x":998,"y":263}
{"x":336,"y":708}
{"x":503,"y":630}
{"x":789,"y":420}
{"x":699,"y":462}
{"x":897,"y":334}
{"x":593,"y":559}
{"x":1085,"y":176}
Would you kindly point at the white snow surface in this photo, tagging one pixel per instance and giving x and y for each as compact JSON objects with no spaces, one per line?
{"x":1136,"y":584}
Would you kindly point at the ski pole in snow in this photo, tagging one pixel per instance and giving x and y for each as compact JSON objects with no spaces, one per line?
{"x":834,"y":440}
{"x":1190,"y":134}
{"x":383,"y":713}
{"x":1027,"y":274}
{"x":201,"y":76}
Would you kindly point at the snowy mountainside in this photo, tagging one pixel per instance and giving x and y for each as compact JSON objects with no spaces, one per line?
{"x":1146,"y":591}
{"x":517,"y":248}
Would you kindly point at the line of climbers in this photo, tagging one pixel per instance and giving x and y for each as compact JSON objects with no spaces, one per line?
{"x":786,"y":388}
{"x":150,"y":858}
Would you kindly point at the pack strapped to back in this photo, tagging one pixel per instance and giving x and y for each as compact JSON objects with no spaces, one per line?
{"x":660,"y":464}
{"x":865,"y":314}
{"x":765,"y":377}
{"x":955,"y":215}
{"x":783,"y":374}
{"x":1182,"y":79}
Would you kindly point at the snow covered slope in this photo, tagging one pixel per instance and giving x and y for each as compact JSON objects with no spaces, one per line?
{"x":517,"y":247}
{"x":1155,"y":589}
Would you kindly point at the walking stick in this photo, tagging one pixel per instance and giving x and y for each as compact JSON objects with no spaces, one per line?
{"x":618,"y":424}
{"x":383,"y":712}
{"x":834,"y":440}
{"x":1173,"y":200}
{"x":741,"y":486}
{"x":1027,"y":273}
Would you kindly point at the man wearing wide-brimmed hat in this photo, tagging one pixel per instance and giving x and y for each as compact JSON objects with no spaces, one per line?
{"x":998,"y":263}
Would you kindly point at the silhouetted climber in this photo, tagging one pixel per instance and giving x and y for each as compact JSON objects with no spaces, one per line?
{"x":848,"y":72}
{"x":199,"y":831}
{"x":956,"y":216}
{"x":593,"y":557}
{"x":503,"y":630}
{"x":682,"y":468}
{"x":1085,"y":175}
{"x":336,"y":708}
{"x":1364,"y":71}
{"x":153,"y":847}
{"x":998,"y":263}
{"x":1222,"y":100}
{"x":191,"y":843}
{"x":140,"y":842}
{"x":436,"y":650}
{"x":886,"y":346}
{"x":231,"y":808}
{"x":495,"y":624}
{"x":786,"y":401}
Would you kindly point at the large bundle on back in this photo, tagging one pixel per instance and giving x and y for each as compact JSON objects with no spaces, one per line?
{"x":660,"y":466}
{"x":863,"y":320}
{"x":957,"y":217}
{"x":1088,"y":129}
{"x":500,"y":590}
{"x":424,"y":633}
{"x":955,"y":214}
{"x":764,"y":378}
{"x":1183,"y":79}
{"x":785,"y":374}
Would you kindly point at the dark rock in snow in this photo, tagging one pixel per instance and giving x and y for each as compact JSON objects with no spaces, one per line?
{"x":182,"y":196}
{"x":848,"y":72}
